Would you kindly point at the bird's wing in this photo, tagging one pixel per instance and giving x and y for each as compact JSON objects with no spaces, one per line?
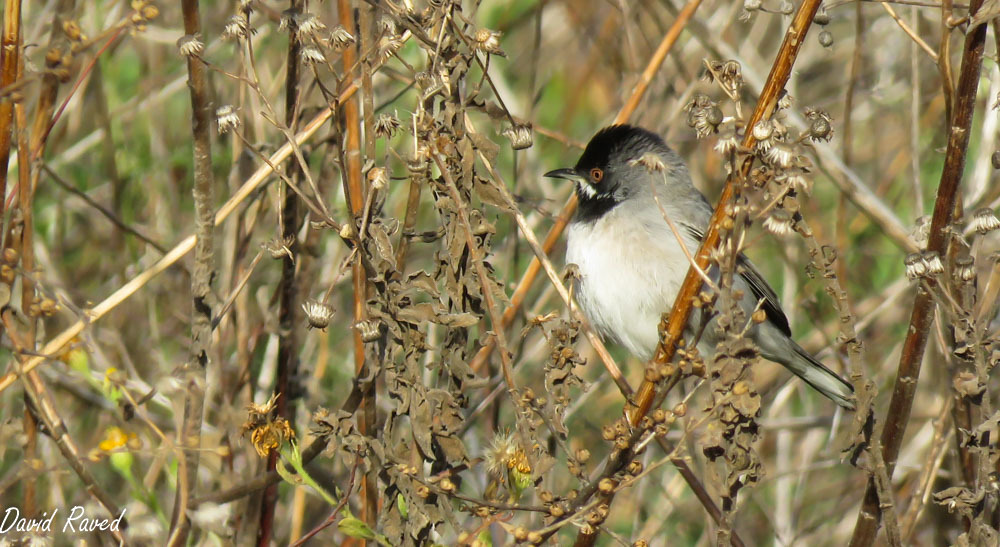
{"x":757,"y":284}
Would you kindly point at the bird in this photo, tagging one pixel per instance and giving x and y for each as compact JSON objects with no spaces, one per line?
{"x":629,"y":261}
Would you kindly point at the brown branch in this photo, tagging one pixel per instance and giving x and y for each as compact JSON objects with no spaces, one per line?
{"x":193,"y":371}
{"x":355,"y":194}
{"x":11,"y":44}
{"x":674,"y":325}
{"x":939,"y":239}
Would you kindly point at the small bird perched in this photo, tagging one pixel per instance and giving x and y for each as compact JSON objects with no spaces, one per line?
{"x":630,"y":262}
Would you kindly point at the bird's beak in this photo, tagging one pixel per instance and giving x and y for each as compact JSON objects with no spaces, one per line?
{"x":568,"y":174}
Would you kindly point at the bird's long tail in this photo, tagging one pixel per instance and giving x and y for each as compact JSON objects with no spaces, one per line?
{"x":816,"y":374}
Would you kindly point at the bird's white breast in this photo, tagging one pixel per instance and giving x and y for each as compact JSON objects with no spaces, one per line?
{"x":631,"y":268}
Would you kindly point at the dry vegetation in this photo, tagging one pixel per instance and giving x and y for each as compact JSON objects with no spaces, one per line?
{"x":270,"y":272}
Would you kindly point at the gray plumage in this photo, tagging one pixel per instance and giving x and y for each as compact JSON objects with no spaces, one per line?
{"x":631,"y":265}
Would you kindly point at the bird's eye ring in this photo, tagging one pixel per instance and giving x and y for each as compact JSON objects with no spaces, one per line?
{"x":596,"y":174}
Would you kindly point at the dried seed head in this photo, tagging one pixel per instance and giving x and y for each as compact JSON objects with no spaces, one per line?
{"x":311,"y":55}
{"x":308,"y":26}
{"x":779,"y":222}
{"x":279,"y":247}
{"x":520,"y":136}
{"x":227,"y":118}
{"x":370,"y":329}
{"x":965,"y":269}
{"x":488,"y":41}
{"x":387,"y":47}
{"x":289,"y":20}
{"x":984,"y":221}
{"x":915,"y":266}
{"x":699,"y":106}
{"x":377,"y":178}
{"x":933,"y":262}
{"x":780,"y":155}
{"x":727,"y":143}
{"x":190,"y":45}
{"x":608,"y":433}
{"x":340,"y":39}
{"x":797,"y":180}
{"x":237,"y":28}
{"x":386,"y":126}
{"x":318,"y":314}
{"x":763,"y":130}
{"x":680,"y":410}
{"x":825,"y":38}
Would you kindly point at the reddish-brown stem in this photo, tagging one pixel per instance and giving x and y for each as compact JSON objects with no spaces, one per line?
{"x":938,"y":241}
{"x":354,"y":191}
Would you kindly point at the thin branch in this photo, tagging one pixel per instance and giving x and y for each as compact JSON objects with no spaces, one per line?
{"x":939,"y":240}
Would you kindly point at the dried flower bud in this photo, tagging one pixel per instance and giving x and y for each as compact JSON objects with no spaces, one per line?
{"x":48,"y":307}
{"x":933,"y":262}
{"x":606,"y":486}
{"x":780,"y":155}
{"x":190,"y":45}
{"x":387,"y":47}
{"x":378,"y":178}
{"x":311,"y":55}
{"x":237,"y":28}
{"x":779,"y":222}
{"x":520,"y":534}
{"x":318,"y":314}
{"x":984,"y":221}
{"x":763,"y":130}
{"x":680,"y":410}
{"x":340,"y":39}
{"x":915,"y":266}
{"x":279,"y":247}
{"x":386,"y":126}
{"x":820,"y":130}
{"x":488,"y":41}
{"x":535,"y":538}
{"x":825,"y":38}
{"x":727,"y":143}
{"x":446,"y":485}
{"x":308,"y":25}
{"x":227,"y":119}
{"x":520,"y":136}
{"x":556,"y":510}
{"x":634,"y":467}
{"x":370,"y":329}
{"x":965,"y":269}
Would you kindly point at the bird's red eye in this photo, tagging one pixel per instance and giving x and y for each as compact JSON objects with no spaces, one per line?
{"x":597,"y":174}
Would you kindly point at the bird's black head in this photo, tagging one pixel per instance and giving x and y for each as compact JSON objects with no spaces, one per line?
{"x":603,"y":173}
